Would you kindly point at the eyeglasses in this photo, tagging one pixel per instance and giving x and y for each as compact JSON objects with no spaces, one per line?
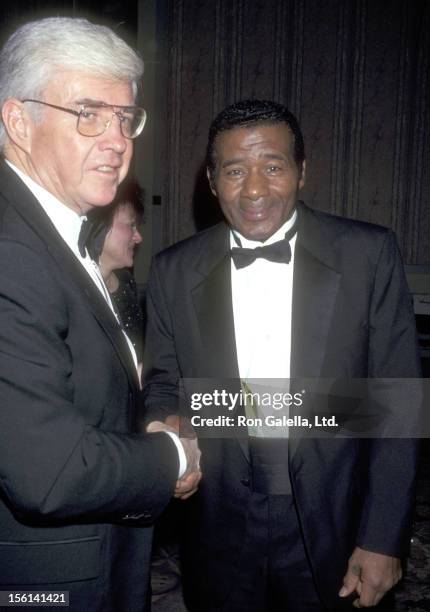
{"x":94,"y":119}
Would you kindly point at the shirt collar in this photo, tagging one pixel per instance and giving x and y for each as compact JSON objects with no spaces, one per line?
{"x":66,"y":221}
{"x":236,"y":237}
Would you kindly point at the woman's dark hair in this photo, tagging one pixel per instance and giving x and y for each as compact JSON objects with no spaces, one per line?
{"x":129,"y":193}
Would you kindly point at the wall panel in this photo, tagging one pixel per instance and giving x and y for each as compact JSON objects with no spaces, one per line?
{"x":354,"y":72}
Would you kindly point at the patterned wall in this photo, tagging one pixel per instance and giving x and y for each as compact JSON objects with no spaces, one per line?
{"x":355,"y":72}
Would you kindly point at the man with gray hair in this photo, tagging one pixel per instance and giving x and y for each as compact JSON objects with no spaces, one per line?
{"x":79,"y":488}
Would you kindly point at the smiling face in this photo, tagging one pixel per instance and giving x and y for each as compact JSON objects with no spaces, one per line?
{"x":82,"y":172}
{"x":256,"y":178}
{"x":121,"y":240}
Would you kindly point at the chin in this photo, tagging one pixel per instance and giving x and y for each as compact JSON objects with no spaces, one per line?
{"x":99,"y":203}
{"x":104,"y":197}
{"x":256,"y":233}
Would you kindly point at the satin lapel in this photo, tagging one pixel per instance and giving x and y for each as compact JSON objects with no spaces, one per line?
{"x":315,"y":287}
{"x":212,"y":299}
{"x":33,"y":214}
{"x":213,"y":304}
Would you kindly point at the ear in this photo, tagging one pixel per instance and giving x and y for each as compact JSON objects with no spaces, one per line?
{"x":303,"y":175}
{"x":211,"y":182}
{"x":17,"y":123}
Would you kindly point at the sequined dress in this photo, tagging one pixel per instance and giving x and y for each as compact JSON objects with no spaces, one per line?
{"x":126,"y":303}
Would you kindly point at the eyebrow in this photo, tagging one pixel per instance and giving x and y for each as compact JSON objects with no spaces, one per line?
{"x":91,"y":102}
{"x":101,"y":103}
{"x":232,"y":162}
{"x":240,"y":160}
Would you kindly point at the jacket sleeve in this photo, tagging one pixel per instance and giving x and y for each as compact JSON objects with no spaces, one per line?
{"x":54,"y":463}
{"x":162,"y":374}
{"x":394,"y":380}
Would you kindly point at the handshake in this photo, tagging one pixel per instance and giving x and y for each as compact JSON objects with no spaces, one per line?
{"x":188,"y":483}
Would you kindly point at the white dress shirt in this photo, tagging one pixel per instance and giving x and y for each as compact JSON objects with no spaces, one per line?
{"x":262,"y":295}
{"x":262,"y":302}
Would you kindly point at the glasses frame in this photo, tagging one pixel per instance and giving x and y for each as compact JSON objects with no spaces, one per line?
{"x":83,"y":108}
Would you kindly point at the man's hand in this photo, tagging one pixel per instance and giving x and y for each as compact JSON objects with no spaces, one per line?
{"x":370,"y":575}
{"x":188,"y":483}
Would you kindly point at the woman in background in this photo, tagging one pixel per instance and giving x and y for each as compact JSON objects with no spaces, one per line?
{"x":114,"y":244}
{"x":115,"y":238}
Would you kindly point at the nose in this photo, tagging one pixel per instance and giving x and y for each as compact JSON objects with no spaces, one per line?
{"x":137,"y":237}
{"x":255,"y":185}
{"x":112,"y":137}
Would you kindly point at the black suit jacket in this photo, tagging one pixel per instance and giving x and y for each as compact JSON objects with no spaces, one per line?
{"x":351,"y":319}
{"x":76,"y":482}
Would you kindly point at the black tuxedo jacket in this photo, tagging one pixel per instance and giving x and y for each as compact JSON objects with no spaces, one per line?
{"x":77,"y":485}
{"x":351,"y":318}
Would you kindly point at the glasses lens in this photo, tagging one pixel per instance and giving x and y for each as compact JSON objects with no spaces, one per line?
{"x":132,"y":122}
{"x":94,"y":120}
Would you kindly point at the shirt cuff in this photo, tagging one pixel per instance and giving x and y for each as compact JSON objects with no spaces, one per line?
{"x":181,"y":453}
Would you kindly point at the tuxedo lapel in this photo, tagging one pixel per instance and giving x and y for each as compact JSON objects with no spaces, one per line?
{"x":213,"y":304}
{"x":98,"y":305}
{"x":27,"y":206}
{"x":212,"y":298}
{"x":314,"y":293}
{"x":315,"y":288}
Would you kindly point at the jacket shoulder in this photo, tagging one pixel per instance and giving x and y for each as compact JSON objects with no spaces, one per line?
{"x":341,"y":241}
{"x":337,"y":224}
{"x":190,"y":248}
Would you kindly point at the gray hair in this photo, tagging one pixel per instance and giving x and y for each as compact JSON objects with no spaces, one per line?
{"x":32,"y":55}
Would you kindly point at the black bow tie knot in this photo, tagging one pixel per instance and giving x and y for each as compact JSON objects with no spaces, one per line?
{"x":279,"y":252}
{"x":84,"y":236}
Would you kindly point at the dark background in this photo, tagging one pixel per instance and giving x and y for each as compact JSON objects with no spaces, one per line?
{"x":355,"y":72}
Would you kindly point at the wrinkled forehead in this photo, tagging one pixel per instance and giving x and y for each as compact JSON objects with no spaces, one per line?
{"x":76,"y":86}
{"x":255,"y":138}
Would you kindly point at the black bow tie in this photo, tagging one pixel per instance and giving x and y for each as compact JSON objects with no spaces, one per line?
{"x":84,"y":236}
{"x":279,"y":252}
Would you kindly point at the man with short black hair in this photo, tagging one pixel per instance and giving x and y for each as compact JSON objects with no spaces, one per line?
{"x":294,"y":522}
